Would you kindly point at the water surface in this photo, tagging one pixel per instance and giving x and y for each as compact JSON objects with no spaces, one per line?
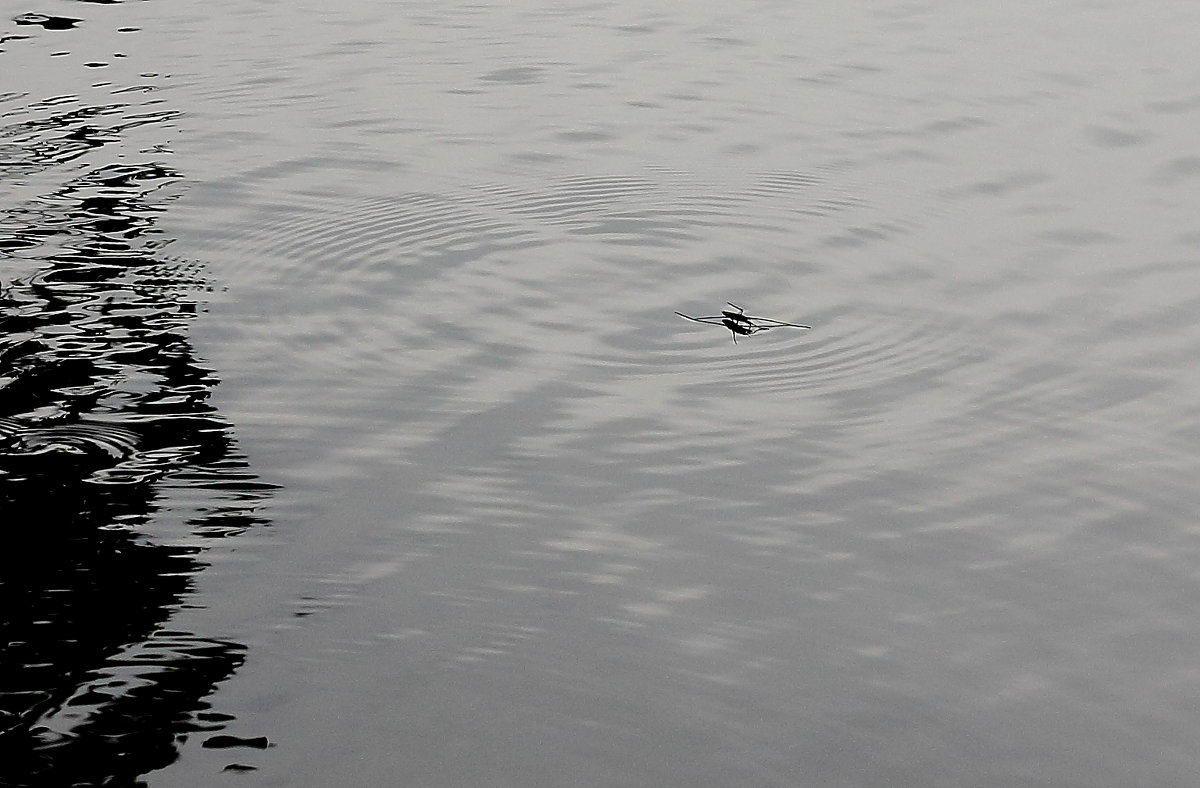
{"x":511,"y":521}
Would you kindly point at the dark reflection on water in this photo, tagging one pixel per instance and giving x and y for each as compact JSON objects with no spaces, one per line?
{"x":114,"y":471}
{"x":48,"y":22}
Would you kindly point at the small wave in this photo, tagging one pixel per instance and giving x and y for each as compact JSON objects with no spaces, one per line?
{"x":425,"y":305}
{"x":354,"y":241}
{"x":840,"y":353}
{"x":84,"y":446}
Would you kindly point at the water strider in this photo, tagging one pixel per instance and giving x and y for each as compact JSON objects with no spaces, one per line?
{"x":740,"y":323}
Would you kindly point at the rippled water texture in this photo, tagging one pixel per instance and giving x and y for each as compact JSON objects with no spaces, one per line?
{"x":361,"y":443}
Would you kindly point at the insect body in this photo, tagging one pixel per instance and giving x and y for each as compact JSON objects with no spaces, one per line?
{"x":739,"y":323}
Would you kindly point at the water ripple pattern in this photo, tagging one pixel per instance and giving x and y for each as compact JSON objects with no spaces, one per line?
{"x":444,"y":288}
{"x":944,"y":538}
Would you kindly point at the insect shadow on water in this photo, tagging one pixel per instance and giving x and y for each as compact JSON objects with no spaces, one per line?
{"x":740,"y":323}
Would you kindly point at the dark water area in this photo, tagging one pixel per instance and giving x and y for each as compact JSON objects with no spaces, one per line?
{"x":115,"y":472}
{"x":348,"y":434}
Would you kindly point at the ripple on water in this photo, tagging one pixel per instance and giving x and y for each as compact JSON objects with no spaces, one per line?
{"x":429,"y":307}
{"x":850,"y":353}
{"x":539,"y":244}
{"x":79,"y":438}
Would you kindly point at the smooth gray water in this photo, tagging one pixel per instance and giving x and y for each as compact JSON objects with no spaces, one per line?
{"x":535,"y":530}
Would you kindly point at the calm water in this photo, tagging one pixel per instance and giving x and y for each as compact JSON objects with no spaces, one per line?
{"x":347,"y":436}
